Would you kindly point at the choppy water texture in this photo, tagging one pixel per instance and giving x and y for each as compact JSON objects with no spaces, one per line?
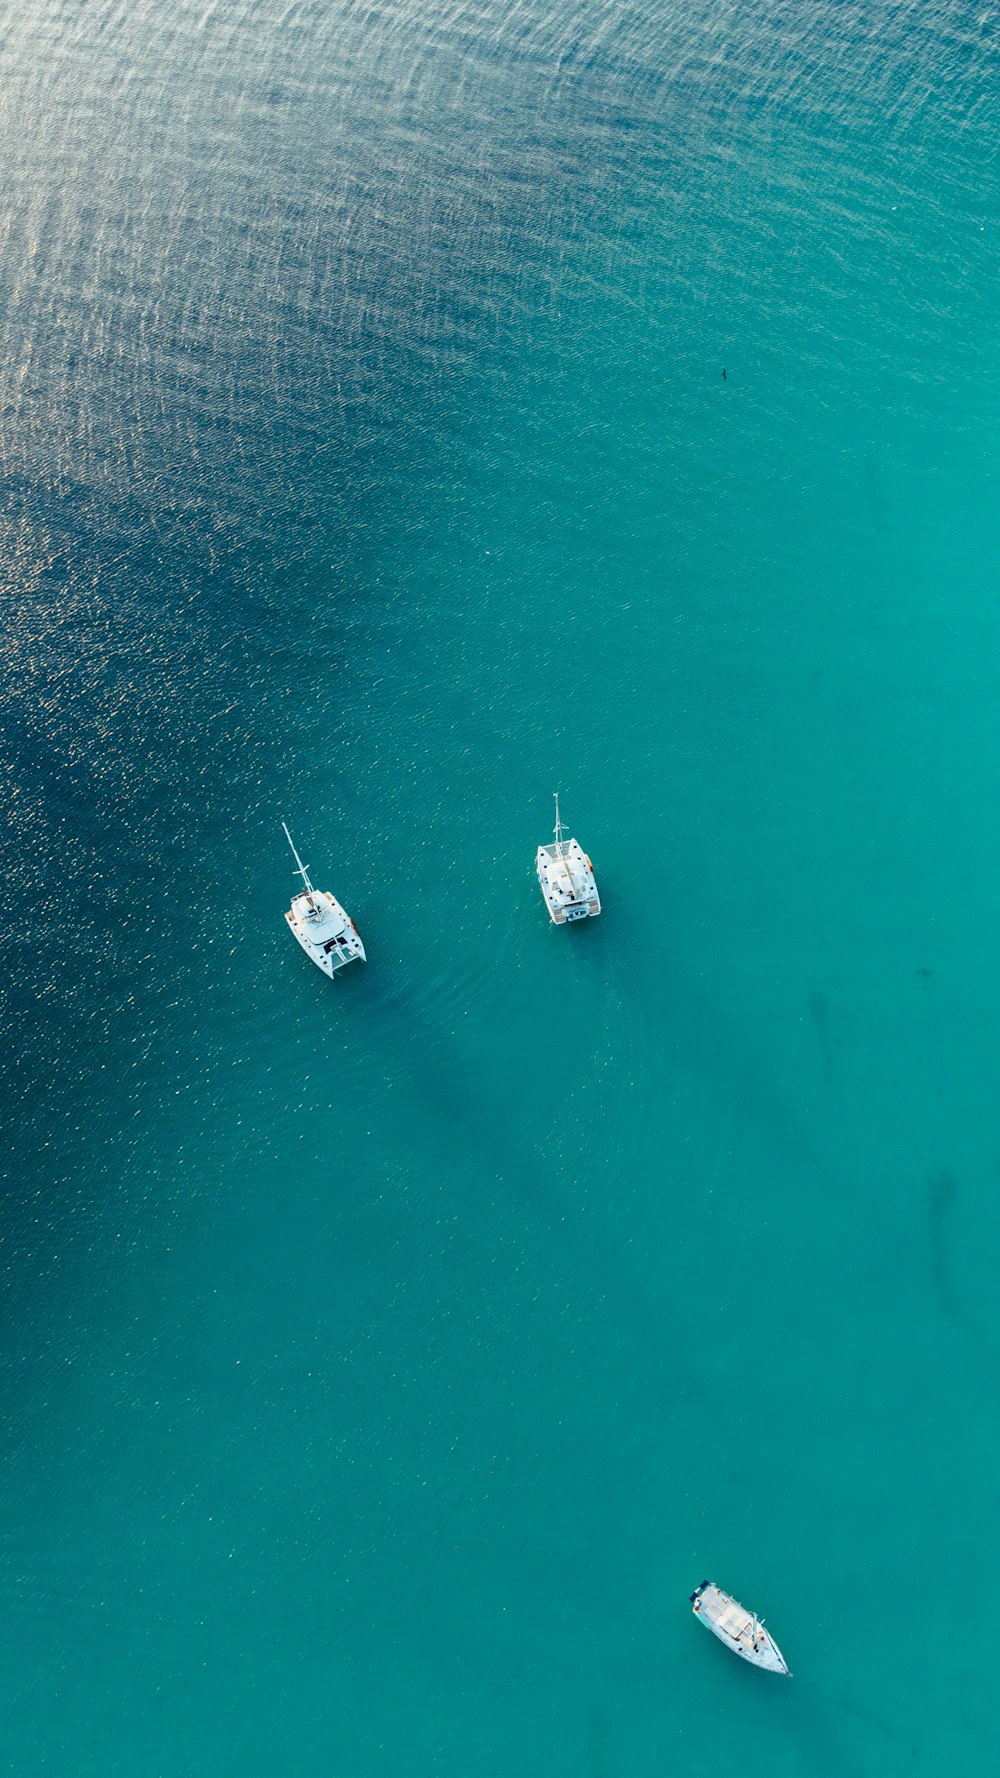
{"x":384,"y":1362}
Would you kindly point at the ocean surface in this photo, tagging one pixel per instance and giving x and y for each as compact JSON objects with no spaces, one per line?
{"x":383,"y":1362}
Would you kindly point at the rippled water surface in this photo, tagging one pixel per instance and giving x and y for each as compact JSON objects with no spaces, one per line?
{"x":385,"y":1361}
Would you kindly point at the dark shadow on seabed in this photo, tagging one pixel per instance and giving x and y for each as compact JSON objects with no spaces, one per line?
{"x":942,"y":1195}
{"x":806,"y":1718}
{"x":811,"y":1727}
{"x":820,"y":1014}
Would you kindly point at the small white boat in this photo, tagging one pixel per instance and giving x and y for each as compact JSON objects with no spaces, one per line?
{"x":328,"y":936}
{"x":566,"y":876}
{"x":738,"y":1628}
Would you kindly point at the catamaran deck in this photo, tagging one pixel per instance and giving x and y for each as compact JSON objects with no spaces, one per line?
{"x":567,"y":881}
{"x":324,"y":930}
{"x":316,"y":919}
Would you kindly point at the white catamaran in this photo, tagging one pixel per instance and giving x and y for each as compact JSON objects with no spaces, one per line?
{"x":566,"y":876}
{"x":738,"y":1628}
{"x":328,"y":936}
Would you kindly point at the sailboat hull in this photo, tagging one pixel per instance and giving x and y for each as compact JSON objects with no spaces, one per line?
{"x":739,"y":1629}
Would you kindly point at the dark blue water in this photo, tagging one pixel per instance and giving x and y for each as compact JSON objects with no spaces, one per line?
{"x":384,"y":1362}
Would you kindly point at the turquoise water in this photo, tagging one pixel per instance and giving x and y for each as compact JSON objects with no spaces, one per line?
{"x":385,"y":1361}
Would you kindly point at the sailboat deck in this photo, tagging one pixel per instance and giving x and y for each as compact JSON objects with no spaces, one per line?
{"x":738,"y":1628}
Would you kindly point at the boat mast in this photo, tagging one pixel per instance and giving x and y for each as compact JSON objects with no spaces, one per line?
{"x":301,"y":871}
{"x":560,"y":854}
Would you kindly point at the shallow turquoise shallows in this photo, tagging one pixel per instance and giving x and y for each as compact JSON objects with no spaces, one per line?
{"x":407,"y":411}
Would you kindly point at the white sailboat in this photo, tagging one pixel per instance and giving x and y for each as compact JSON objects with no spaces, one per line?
{"x":326,"y":933}
{"x":738,"y":1628}
{"x":566,"y":877}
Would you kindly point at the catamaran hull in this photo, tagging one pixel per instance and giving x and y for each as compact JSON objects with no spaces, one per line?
{"x":567,"y":884}
{"x":331,"y":955}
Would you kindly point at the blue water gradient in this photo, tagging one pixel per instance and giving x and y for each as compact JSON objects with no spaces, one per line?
{"x":384,"y":1361}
